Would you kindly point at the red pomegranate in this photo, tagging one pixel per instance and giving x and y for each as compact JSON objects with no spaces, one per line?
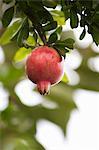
{"x":44,"y":67}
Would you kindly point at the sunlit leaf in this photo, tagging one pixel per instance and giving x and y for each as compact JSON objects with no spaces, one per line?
{"x":58,"y":16}
{"x":31,"y":41}
{"x":21,"y":54}
{"x":65,"y":78}
{"x":10,"y":32}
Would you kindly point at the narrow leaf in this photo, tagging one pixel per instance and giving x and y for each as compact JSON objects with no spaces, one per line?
{"x":7,"y":16}
{"x":83,"y":34}
{"x":53,"y":37}
{"x":73,"y":19}
{"x":23,"y":33}
{"x":50,"y":26}
{"x":10,"y":32}
{"x":49,"y":3}
{"x":21,"y":54}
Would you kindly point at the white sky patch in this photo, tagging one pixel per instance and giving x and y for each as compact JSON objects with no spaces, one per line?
{"x":24,"y":89}
{"x":49,"y":104}
{"x":93,"y":63}
{"x":95,"y":48}
{"x":86,"y":41}
{"x":75,"y":34}
{"x":72,"y":76}
{"x":2,"y":58}
{"x":73,"y":59}
{"x":3,"y":98}
{"x":50,"y":135}
{"x":83,"y":127}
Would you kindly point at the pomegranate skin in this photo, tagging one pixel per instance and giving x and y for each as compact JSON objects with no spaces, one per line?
{"x":44,"y":67}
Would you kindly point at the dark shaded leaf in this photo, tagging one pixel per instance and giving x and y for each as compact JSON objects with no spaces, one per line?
{"x":50,"y":26}
{"x":53,"y":37}
{"x":49,"y":3}
{"x":61,"y":50}
{"x":66,"y":10}
{"x":83,"y":34}
{"x":94,"y":30}
{"x":73,"y":18}
{"x":7,"y":16}
{"x":23,"y":33}
{"x":7,"y":1}
{"x":82,"y":21}
{"x":66,"y":43}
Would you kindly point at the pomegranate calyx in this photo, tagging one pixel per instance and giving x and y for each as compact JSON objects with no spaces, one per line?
{"x":43,"y":87}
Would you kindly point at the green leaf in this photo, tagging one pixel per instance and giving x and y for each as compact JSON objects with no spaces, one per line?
{"x":66,"y":10}
{"x":69,"y":43}
{"x":27,"y":143}
{"x":7,"y":16}
{"x":58,"y":16}
{"x":31,"y":41}
{"x":23,"y":33}
{"x":61,"y":50}
{"x":73,"y":19}
{"x":66,"y":43}
{"x":83,"y":34}
{"x":59,"y":30}
{"x":7,"y":1}
{"x":49,"y":3}
{"x":21,"y":54}
{"x":94,"y":32}
{"x":65,"y":78}
{"x":35,"y":36}
{"x":53,"y":37}
{"x":44,"y":16}
{"x":88,"y":79}
{"x":9,"y":76}
{"x":10,"y":32}
{"x":50,"y":26}
{"x":64,"y":46}
{"x":82,"y":21}
{"x":60,"y":20}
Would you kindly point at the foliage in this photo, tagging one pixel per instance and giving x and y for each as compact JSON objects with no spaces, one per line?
{"x":28,"y":24}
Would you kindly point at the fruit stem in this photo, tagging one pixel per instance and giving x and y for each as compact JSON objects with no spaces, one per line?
{"x":32,"y":16}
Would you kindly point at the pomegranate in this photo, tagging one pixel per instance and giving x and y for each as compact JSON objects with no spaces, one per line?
{"x":44,"y":67}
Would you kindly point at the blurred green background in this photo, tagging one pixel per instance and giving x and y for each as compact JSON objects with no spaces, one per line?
{"x":18,"y":121}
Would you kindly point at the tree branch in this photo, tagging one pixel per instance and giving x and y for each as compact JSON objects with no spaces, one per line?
{"x":32,"y":16}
